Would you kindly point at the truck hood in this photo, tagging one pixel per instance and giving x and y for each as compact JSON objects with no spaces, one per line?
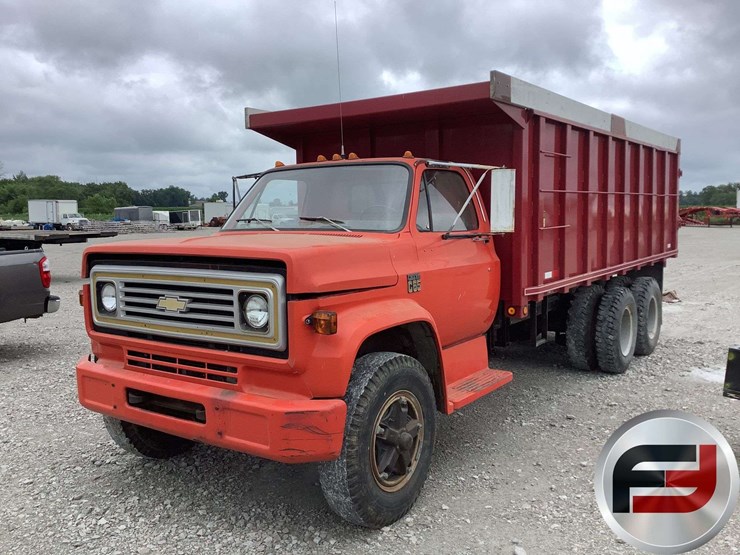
{"x":316,"y":262}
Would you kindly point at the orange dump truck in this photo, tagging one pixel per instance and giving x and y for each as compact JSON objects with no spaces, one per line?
{"x":348,"y":301}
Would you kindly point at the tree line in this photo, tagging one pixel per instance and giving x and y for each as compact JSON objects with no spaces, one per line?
{"x":713,"y":195}
{"x":92,"y":198}
{"x":102,"y":198}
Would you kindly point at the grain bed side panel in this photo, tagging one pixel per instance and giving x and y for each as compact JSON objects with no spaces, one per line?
{"x":589,"y":205}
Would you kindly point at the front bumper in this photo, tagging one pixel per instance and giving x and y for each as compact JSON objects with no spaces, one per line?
{"x":281,"y":429}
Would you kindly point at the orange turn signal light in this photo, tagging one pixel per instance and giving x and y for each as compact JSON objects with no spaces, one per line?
{"x":324,"y":322}
{"x":321,"y":158}
{"x":352,"y":156}
{"x":336,"y":157}
{"x":511,"y":311}
{"x":279,"y":164}
{"x":408,"y":154}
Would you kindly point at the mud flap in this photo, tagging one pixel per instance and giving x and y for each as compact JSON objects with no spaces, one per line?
{"x":732,"y":375}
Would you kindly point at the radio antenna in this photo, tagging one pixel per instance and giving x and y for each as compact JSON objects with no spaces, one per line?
{"x":339,"y":82}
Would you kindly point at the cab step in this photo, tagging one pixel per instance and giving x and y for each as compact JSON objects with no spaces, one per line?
{"x":474,"y":386}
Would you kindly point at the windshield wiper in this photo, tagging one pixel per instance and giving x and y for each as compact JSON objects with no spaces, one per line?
{"x":264,"y":222}
{"x":335,"y":223}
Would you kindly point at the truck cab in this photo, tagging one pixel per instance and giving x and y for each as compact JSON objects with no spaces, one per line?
{"x":252,"y":338}
{"x":421,"y":216}
{"x":74,"y":221}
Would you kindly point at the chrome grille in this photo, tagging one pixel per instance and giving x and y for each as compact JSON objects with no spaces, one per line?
{"x":193,"y":304}
{"x":215,"y":305}
{"x":182,"y":366}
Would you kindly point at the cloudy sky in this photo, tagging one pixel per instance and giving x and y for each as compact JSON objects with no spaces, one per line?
{"x":152,"y":92}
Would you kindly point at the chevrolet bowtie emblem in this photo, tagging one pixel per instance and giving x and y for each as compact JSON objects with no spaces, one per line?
{"x":172,"y":304}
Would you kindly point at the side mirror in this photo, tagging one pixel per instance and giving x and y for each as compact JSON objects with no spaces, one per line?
{"x":501,"y":210}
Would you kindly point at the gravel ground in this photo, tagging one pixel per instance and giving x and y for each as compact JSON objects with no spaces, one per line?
{"x":512,"y":473}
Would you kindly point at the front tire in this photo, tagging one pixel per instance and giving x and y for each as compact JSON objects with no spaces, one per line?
{"x":145,"y":442}
{"x":388,"y":441}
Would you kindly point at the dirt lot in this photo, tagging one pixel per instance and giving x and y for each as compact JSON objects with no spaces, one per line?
{"x":512,"y":473}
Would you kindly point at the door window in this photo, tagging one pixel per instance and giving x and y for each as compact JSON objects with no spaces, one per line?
{"x":442,"y":195}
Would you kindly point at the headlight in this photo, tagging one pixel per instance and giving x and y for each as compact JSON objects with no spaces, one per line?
{"x":255,"y":311}
{"x":108,"y":299}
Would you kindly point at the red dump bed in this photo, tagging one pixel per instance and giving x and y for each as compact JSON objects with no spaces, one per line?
{"x":596,"y":194}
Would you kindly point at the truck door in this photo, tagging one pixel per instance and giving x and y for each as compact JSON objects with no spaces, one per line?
{"x":458,"y":278}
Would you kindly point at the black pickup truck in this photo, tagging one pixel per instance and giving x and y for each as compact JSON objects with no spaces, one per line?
{"x":25,"y":278}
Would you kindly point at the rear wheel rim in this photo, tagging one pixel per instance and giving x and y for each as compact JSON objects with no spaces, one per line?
{"x":652,"y":318}
{"x":398,"y":435}
{"x":626,"y":332}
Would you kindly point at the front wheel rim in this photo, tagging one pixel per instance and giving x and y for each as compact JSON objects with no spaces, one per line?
{"x":398,"y":435}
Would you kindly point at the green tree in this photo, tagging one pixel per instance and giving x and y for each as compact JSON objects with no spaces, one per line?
{"x":168,"y":196}
{"x":98,"y":204}
{"x":18,"y":205}
{"x":220,"y":196}
{"x":119,"y":191}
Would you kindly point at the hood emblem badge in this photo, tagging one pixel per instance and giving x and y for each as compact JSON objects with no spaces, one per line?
{"x":172,"y":304}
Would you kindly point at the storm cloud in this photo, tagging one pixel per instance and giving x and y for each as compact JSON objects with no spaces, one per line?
{"x":152,"y":92}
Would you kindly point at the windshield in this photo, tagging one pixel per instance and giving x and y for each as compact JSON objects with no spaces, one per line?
{"x":352,"y":197}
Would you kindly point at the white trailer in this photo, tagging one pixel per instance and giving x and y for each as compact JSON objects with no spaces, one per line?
{"x":185,"y":219}
{"x":216,"y":210}
{"x":56,"y":214}
{"x":162,"y":219}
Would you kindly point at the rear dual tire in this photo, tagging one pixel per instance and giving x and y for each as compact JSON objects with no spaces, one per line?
{"x":618,"y":281}
{"x":616,"y":330}
{"x":649,"y":300}
{"x":608,"y":325}
{"x":580,"y":338}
